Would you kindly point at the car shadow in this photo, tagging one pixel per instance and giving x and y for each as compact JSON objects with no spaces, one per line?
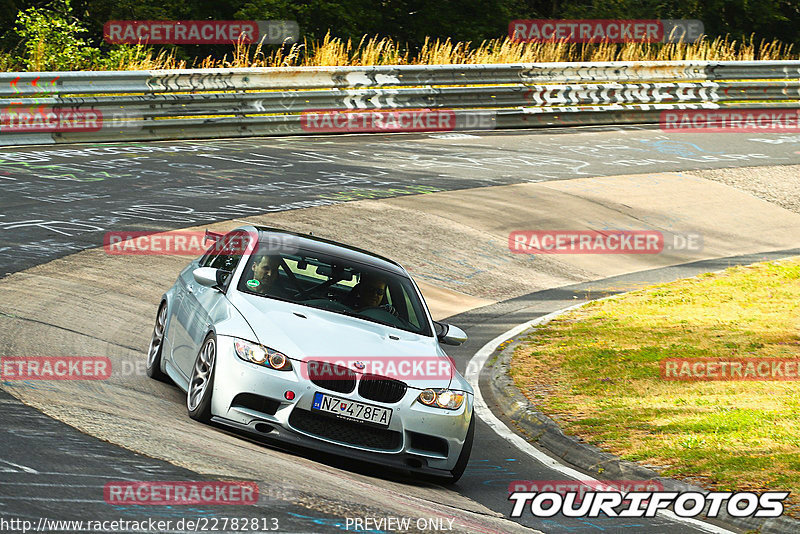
{"x":392,"y":474}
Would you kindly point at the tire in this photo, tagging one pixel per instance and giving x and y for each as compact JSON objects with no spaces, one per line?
{"x":201,"y":383}
{"x":157,"y":346}
{"x":466,"y":450}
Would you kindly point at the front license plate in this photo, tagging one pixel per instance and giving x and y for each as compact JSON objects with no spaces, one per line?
{"x":349,"y":409}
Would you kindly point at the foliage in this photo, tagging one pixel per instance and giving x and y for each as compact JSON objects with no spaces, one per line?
{"x":67,"y":34}
{"x":53,"y":39}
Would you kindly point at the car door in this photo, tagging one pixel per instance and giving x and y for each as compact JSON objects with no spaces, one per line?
{"x":202,"y":305}
{"x":180,"y":339}
{"x":179,"y":290}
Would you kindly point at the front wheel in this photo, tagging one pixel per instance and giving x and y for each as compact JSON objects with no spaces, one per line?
{"x":466,"y":450}
{"x":156,"y":348}
{"x":201,"y":384}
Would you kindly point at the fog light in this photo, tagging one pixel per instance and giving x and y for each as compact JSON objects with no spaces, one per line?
{"x":289,"y":395}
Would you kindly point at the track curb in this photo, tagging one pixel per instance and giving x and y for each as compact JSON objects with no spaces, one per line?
{"x":539,"y":429}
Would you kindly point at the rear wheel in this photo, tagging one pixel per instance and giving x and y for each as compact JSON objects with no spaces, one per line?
{"x":157,"y":346}
{"x":201,"y":384}
{"x":466,"y":450}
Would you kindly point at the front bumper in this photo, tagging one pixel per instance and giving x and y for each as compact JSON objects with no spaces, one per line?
{"x":419,"y":438}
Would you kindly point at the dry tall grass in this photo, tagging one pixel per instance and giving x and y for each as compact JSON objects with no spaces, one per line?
{"x":333,"y":51}
{"x":139,"y":57}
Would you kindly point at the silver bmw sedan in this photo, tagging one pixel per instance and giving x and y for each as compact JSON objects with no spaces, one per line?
{"x":316,"y":343}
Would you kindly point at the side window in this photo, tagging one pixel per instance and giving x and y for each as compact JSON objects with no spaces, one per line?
{"x":412,"y":314}
{"x":209,"y":256}
{"x":397,"y":297}
{"x":226,"y":261}
{"x":212,"y":251}
{"x":227,"y":254}
{"x":388,"y":298}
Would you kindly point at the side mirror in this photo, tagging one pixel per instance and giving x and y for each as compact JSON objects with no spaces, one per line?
{"x":210,"y":277}
{"x":449,"y":334}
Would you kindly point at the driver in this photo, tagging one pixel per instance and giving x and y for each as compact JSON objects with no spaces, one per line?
{"x":265,"y":272}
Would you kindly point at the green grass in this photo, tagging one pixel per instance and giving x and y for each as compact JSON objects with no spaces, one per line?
{"x":601,"y":365}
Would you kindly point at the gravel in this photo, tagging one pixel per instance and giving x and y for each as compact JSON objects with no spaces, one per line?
{"x":778,"y":184}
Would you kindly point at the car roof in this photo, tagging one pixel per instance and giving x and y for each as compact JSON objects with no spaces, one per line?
{"x":310,"y":243}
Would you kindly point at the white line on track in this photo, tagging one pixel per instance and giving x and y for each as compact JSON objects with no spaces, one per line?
{"x":19,"y":468}
{"x":482,"y":410}
{"x":59,"y":474}
{"x":52,"y":499}
{"x":48,"y":485}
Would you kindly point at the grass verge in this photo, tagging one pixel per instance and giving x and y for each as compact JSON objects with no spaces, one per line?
{"x":596,"y":372}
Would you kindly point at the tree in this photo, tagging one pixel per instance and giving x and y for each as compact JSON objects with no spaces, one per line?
{"x":53,"y":39}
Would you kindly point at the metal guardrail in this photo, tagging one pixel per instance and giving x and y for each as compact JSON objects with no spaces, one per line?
{"x":64,"y":107}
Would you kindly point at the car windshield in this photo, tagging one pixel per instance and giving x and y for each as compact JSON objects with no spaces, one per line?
{"x":336,"y":285}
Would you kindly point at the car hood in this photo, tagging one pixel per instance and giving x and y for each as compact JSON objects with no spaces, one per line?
{"x":304,"y":333}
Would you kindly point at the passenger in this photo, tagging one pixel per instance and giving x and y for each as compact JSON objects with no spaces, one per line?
{"x":370,"y":292}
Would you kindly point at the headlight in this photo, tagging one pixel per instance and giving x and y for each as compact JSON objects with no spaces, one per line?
{"x":250,"y":353}
{"x":277,"y":360}
{"x":443,"y":398}
{"x":427,"y":397}
{"x":265,"y":356}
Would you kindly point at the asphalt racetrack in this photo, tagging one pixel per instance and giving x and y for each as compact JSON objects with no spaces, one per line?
{"x":441,"y":204}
